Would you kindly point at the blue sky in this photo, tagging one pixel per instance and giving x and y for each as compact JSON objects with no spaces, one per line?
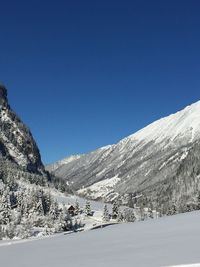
{"x":84,"y":74}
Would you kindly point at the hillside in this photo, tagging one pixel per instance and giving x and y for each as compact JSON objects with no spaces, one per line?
{"x":26,"y":203}
{"x":160,"y":163}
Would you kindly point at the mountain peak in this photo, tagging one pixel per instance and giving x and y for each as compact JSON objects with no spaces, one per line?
{"x":16,"y":140}
{"x":3,"y":95}
{"x":182,"y":124}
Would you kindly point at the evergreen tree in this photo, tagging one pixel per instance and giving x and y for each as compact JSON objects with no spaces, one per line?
{"x":115,"y":209}
{"x":47,"y":201}
{"x":77,"y":208}
{"x":173,"y":209}
{"x":10,"y":230}
{"x":2,"y":232}
{"x":64,"y":220}
{"x":39,"y":207}
{"x":198,"y":200}
{"x":129,"y":215}
{"x":106,"y":216}
{"x":151,"y":215}
{"x":54,"y":211}
{"x":25,"y":229}
{"x":5,"y":209}
{"x":142,"y":214}
{"x":88,"y":211}
{"x":120,"y":217}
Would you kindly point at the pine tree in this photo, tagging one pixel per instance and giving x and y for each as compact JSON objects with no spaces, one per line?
{"x":115,"y":209}
{"x":77,"y":208}
{"x":129,"y":215}
{"x":198,"y":200}
{"x":2,"y":232}
{"x":39,"y":208}
{"x":120,"y":217}
{"x":10,"y":230}
{"x":151,"y":215}
{"x":20,"y":202}
{"x":106,"y":216}
{"x":25,"y":229}
{"x":54,"y":211}
{"x":64,"y":220}
{"x":173,"y":209}
{"x":88,"y":211}
{"x":47,"y":201}
{"x":142,"y":215}
{"x":5,"y":209}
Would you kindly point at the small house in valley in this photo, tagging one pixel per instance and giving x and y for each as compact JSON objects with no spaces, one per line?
{"x":71,"y":209}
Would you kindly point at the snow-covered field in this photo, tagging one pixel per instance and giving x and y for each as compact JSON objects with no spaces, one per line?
{"x":168,"y":241}
{"x":71,"y":199}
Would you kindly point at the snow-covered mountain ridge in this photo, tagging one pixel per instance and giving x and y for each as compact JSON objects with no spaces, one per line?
{"x":161,"y":161}
{"x":56,"y":165}
{"x":184,"y":123}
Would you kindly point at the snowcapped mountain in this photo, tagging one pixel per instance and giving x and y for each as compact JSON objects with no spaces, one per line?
{"x":160,"y":163}
{"x":56,"y":165}
{"x":16,"y":141}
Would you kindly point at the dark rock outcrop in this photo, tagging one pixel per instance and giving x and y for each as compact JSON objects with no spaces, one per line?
{"x":3,"y":95}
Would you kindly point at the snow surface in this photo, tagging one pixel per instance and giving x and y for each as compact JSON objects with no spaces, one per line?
{"x":169,"y":241}
{"x":147,"y":158}
{"x":100,"y":189}
{"x":183,"y":123}
{"x":57,"y":164}
{"x":71,"y":199}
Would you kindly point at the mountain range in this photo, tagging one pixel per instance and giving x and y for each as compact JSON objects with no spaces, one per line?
{"x":158,"y":165}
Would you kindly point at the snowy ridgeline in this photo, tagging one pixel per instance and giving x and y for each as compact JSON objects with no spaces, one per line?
{"x":160,"y":162}
{"x":168,"y":241}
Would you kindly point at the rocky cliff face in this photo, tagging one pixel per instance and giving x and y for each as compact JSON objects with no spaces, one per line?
{"x":16,"y":141}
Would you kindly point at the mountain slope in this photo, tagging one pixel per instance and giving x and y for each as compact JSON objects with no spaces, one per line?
{"x":156,"y":162}
{"x":26,"y":204}
{"x":16,"y":141}
{"x":58,"y":164}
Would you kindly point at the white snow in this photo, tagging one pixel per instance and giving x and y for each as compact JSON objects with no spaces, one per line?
{"x":156,"y":149}
{"x":100,"y":189}
{"x":186,"y":265}
{"x":56,"y":165}
{"x":71,"y":199}
{"x":169,"y":241}
{"x":184,"y":123}
{"x":19,"y":157}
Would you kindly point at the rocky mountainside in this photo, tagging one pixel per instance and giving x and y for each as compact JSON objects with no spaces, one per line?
{"x":56,"y":165}
{"x":27,"y":207}
{"x":159,"y":164}
{"x":16,"y":141}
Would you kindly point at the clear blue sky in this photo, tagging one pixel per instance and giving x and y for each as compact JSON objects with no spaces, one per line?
{"x":84,"y":74}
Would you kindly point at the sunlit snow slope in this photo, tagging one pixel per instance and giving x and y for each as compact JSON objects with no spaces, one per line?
{"x":160,"y":161}
{"x":164,"y":242}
